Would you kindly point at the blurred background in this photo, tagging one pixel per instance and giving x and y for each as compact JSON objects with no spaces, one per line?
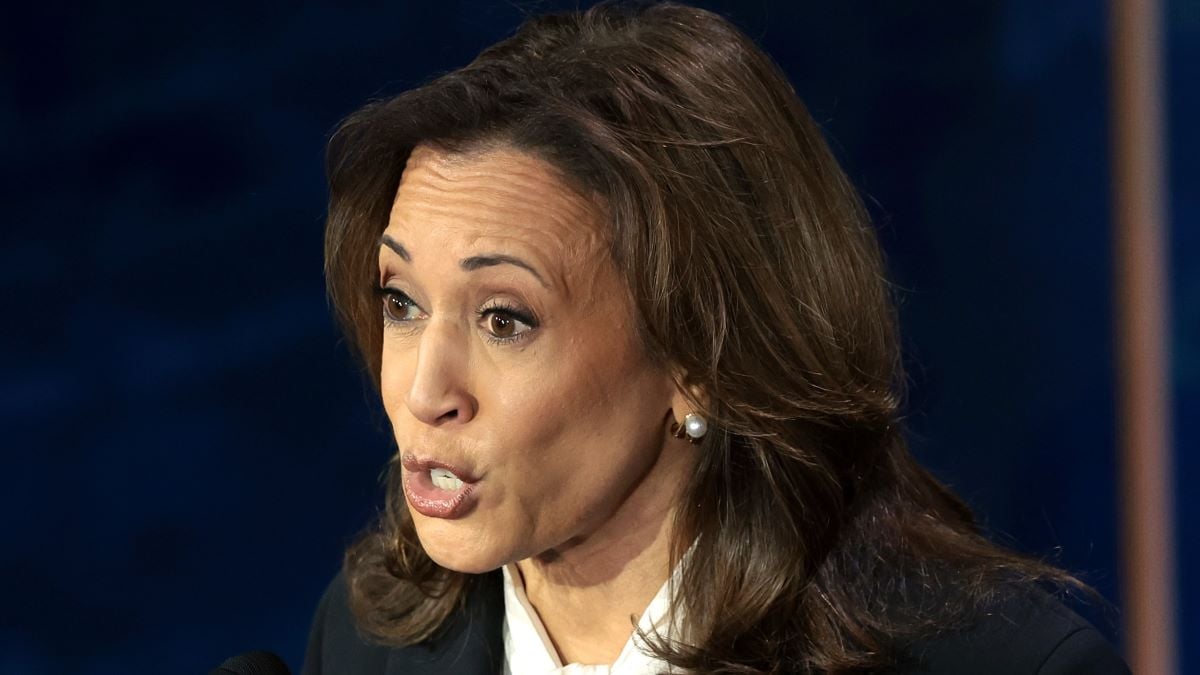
{"x":173,"y":391}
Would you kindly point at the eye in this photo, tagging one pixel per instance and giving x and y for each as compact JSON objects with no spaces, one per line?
{"x":398,"y":307}
{"x":506,"y":324}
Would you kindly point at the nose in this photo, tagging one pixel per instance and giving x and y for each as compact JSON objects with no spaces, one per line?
{"x":438,"y":393}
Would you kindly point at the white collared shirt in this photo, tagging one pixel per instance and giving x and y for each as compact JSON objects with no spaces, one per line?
{"x":528,"y":650}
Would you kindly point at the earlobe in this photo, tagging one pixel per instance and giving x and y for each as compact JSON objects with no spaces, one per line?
{"x":693,"y":426}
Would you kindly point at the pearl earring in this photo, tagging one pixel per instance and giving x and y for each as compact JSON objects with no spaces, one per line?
{"x":693,"y":428}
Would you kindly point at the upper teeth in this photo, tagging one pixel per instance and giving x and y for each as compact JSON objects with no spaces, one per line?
{"x":445,"y":479}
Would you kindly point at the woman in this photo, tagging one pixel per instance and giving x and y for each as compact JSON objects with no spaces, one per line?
{"x":628,"y":321}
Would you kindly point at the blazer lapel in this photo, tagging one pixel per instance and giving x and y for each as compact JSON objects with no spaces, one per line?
{"x":472,"y":642}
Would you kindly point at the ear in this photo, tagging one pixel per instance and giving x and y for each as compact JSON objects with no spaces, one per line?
{"x":684,"y":402}
{"x":681,"y":405}
{"x":687,"y":398}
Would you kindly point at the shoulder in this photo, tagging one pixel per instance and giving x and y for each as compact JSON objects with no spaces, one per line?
{"x":1029,"y":632}
{"x":469,"y":642}
{"x":334,"y":643}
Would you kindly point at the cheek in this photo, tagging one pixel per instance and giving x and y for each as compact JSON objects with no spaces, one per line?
{"x":395,"y":378}
{"x":586,"y":427}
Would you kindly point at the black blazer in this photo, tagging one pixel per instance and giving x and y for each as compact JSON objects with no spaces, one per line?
{"x":1026,"y":635}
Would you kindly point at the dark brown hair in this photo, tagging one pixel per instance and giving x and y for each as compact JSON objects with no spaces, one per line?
{"x":822,"y":545}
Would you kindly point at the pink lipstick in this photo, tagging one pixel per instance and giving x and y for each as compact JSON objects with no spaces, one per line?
{"x":436,"y":489}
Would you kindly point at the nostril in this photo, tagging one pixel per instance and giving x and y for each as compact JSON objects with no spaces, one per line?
{"x":450,"y":415}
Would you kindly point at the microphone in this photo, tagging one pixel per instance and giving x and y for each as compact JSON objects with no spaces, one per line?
{"x":253,"y":663}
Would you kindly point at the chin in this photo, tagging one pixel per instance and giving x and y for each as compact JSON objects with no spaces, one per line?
{"x":454,"y":545}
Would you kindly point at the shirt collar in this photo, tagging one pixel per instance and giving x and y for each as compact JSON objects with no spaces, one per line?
{"x":527,"y":647}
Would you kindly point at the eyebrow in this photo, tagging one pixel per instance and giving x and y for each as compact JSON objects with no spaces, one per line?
{"x":472,"y":263}
{"x":396,"y":246}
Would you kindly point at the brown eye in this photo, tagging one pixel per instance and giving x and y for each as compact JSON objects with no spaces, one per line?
{"x":398,"y":307}
{"x":502,"y":326}
{"x":506,"y":324}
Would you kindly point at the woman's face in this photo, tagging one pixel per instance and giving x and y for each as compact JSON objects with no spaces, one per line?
{"x":510,"y":362}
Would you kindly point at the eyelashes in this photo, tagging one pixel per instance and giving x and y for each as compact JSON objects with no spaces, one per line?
{"x":502,"y":323}
{"x":397,"y":306}
{"x":505,"y":324}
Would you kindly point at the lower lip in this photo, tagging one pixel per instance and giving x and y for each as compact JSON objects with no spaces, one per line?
{"x":434,"y":502}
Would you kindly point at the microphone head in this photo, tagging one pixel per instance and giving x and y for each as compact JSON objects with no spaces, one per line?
{"x":253,"y":663}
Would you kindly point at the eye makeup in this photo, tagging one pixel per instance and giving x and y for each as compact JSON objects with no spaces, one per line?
{"x":499,"y":320}
{"x":397,"y":306}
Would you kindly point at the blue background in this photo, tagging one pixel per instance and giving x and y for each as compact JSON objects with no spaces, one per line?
{"x":188,"y":446}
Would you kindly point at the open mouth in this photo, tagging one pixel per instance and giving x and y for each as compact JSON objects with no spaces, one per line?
{"x":436,"y":490}
{"x":445,"y":479}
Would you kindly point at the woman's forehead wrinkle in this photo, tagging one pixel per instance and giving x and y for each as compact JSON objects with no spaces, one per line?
{"x":503,"y":201}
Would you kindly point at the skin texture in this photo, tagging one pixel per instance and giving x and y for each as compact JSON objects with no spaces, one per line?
{"x":566,"y":427}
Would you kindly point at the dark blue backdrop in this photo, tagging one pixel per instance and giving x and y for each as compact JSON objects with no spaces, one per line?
{"x":174,"y":393}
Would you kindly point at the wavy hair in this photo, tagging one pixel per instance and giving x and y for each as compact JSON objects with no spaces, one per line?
{"x":820,"y":544}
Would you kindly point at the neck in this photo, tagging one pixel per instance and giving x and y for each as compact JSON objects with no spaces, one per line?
{"x":590,"y":592}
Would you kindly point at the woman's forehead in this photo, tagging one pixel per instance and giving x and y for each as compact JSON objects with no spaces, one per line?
{"x":500,"y":200}
{"x":502,"y":194}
